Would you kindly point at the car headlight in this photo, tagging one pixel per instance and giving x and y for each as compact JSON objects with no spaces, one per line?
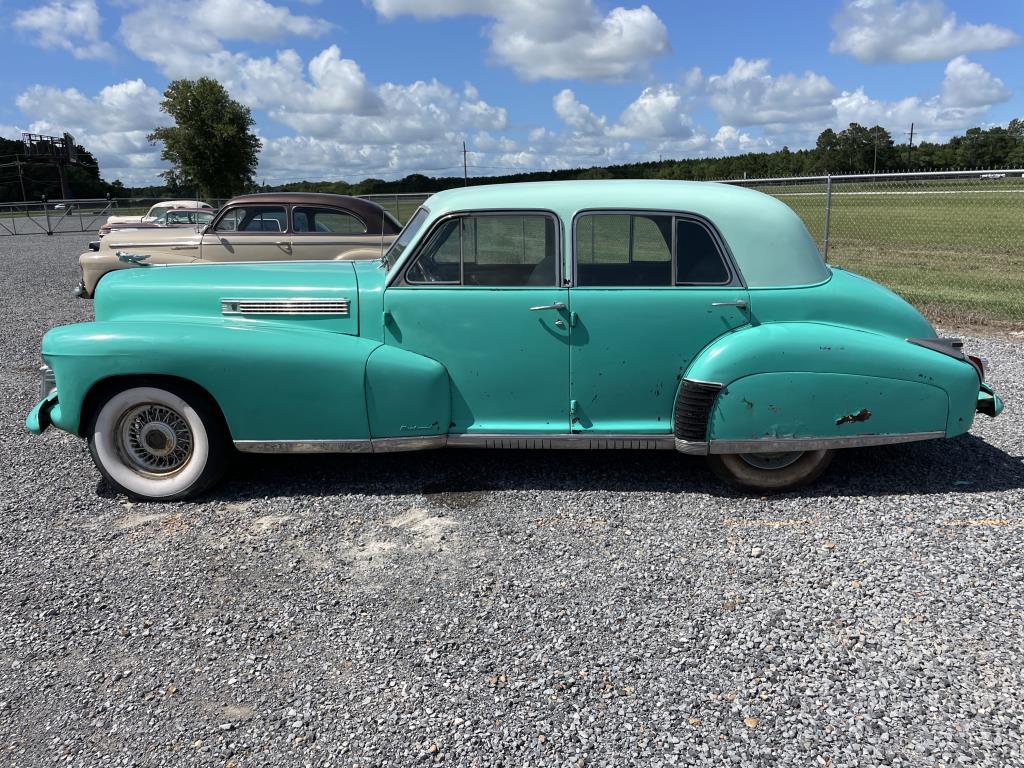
{"x":47,"y":382}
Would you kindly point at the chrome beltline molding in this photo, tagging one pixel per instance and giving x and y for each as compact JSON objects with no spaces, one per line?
{"x":578,"y":442}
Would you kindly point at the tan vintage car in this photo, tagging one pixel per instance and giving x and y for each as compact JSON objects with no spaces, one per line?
{"x":271,"y":226}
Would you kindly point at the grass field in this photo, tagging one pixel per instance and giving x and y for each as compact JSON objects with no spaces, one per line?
{"x":957,"y":255}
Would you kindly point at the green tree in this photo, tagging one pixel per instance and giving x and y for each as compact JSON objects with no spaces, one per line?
{"x":211,"y":145}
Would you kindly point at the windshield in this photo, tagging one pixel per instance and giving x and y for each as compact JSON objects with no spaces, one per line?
{"x":405,"y":237}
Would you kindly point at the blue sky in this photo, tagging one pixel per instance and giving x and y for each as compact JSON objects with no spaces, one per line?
{"x":388,"y":87}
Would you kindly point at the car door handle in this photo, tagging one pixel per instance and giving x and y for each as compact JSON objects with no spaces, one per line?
{"x":557,"y":305}
{"x":284,"y":244}
{"x":741,"y":303}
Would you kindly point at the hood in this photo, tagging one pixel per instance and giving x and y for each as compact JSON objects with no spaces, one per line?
{"x":150,"y":237}
{"x":314,"y":295}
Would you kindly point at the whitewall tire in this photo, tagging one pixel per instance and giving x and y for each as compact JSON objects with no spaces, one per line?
{"x":770,"y":472}
{"x":157,"y":443}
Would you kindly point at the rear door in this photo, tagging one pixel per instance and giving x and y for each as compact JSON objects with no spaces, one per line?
{"x":250,"y":232}
{"x":321,"y":232}
{"x":650,"y":291}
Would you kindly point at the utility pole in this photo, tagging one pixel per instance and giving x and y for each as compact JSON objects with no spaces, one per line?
{"x":21,"y":178}
{"x":874,"y":164}
{"x":910,"y":148}
{"x":465,"y":167}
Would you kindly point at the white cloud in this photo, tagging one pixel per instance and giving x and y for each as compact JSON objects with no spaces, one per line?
{"x":577,"y":115}
{"x":112,"y":125}
{"x":184,"y":38}
{"x":968,"y":84}
{"x":73,"y":25}
{"x":255,"y":20}
{"x":729,"y":140}
{"x":418,"y":112}
{"x":656,"y":113}
{"x":556,"y":38}
{"x":915,"y":30}
{"x":968,"y":91}
{"x":747,"y":95}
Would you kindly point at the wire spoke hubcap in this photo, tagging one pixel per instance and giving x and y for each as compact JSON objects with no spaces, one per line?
{"x":771,"y":460}
{"x":154,"y":439}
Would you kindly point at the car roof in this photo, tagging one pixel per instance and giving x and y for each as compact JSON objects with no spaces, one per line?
{"x":183,"y":204}
{"x":374,"y":216}
{"x":768,"y":240}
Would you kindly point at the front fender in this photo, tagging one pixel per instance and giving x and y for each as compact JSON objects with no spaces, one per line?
{"x":271,"y":383}
{"x":816,"y":380}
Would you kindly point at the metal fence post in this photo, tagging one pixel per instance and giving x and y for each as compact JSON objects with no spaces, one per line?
{"x":46,"y":212}
{"x":828,"y":213}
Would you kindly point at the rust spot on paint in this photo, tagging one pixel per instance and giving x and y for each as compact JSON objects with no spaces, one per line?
{"x":862,"y":415}
{"x":750,"y":405}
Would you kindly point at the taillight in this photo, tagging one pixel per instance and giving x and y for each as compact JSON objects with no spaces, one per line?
{"x":979,"y":363}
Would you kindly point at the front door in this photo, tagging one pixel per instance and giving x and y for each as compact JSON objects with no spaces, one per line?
{"x":248,"y":233}
{"x":483,"y":297}
{"x":651,"y":290}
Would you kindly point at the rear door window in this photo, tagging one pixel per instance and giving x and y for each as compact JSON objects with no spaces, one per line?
{"x":650,"y":250}
{"x":326,"y":221}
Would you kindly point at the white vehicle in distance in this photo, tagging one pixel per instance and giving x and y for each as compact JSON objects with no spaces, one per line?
{"x":157,"y":210}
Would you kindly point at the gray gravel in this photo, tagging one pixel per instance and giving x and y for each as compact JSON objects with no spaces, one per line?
{"x":516,"y":609}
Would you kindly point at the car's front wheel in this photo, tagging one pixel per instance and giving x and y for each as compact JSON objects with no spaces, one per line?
{"x":770,"y":472}
{"x":157,"y":443}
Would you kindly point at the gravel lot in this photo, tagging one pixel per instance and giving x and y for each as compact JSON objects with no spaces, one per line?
{"x":515,"y":609}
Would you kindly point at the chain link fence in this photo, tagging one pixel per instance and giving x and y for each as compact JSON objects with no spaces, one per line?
{"x":950,"y":243}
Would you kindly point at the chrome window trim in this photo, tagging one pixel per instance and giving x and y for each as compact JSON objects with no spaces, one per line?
{"x":399,"y":280}
{"x":736,"y":279}
{"x":342,"y":211}
{"x":406,"y":254}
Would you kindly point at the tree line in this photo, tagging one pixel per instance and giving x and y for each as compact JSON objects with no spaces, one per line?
{"x":213,"y":152}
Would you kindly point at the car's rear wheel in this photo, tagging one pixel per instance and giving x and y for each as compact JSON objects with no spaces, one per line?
{"x":158,"y":443}
{"x":770,"y":472}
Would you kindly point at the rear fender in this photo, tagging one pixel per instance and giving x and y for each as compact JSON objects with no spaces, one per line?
{"x":270,"y":383}
{"x":817,"y":380}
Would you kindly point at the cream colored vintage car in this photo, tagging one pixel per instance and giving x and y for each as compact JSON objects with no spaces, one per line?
{"x":156,"y":210}
{"x":262,"y":227}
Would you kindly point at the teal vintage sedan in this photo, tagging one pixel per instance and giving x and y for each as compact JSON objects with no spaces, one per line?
{"x":681,"y":316}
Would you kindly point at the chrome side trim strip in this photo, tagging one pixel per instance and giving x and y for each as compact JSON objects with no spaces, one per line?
{"x":773,"y":445}
{"x":397,"y":444}
{"x":692,"y":447}
{"x":304,"y":446}
{"x":577,"y":442}
{"x":585,"y":442}
{"x":290,"y":306}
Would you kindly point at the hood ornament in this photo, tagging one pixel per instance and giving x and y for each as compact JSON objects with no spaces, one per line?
{"x":132,"y":258}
